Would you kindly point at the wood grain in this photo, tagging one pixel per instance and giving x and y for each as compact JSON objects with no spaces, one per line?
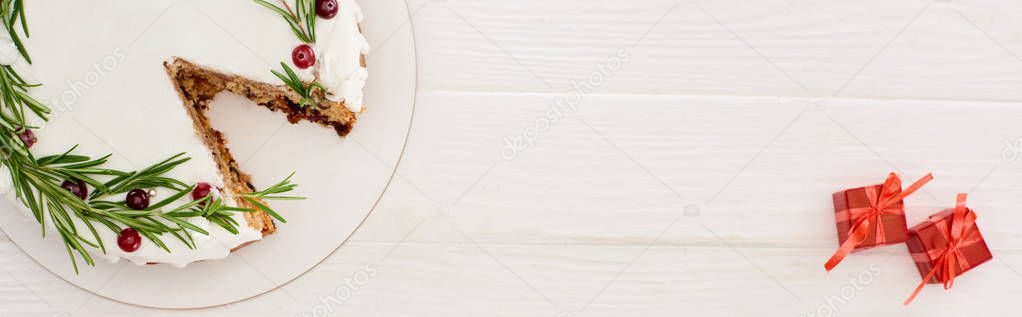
{"x":461,"y":279}
{"x":696,"y":179}
{"x":878,"y":48}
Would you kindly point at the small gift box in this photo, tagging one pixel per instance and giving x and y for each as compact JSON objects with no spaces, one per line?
{"x":871,"y":216}
{"x":947,"y":245}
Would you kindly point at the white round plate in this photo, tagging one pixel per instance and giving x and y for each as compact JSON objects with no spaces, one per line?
{"x":342,"y":179}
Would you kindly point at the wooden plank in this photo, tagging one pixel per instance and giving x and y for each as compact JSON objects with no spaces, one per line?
{"x":755,"y":173}
{"x":874,"y":49}
{"x":463,"y":279}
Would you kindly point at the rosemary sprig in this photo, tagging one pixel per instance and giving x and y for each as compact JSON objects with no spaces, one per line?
{"x":302,"y":20}
{"x":150,"y":177}
{"x":292,"y":80}
{"x":35,"y":182}
{"x":78,"y":222}
{"x":12,"y":12}
{"x":17,"y":98}
{"x":272,"y":193}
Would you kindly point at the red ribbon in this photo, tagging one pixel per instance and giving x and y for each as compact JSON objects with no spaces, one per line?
{"x":950,"y":259}
{"x":865,"y":218}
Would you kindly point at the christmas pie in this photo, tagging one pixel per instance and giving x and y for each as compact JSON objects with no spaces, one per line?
{"x":135,"y":79}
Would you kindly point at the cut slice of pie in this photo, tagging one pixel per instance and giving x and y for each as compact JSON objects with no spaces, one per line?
{"x":198,"y":86}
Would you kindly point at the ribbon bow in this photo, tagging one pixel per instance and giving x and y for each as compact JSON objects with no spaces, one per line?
{"x":865,"y":218}
{"x":950,"y":258}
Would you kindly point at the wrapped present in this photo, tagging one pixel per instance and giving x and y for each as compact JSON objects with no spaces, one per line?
{"x":947,"y":245}
{"x":871,"y":216}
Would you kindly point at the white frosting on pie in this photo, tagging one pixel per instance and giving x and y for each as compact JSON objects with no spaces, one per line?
{"x":339,"y":42}
{"x":101,"y":63}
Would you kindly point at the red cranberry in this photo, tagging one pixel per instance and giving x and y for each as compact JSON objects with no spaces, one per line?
{"x":137,"y":199}
{"x":27,"y":137}
{"x":201,"y":190}
{"x":303,"y":56}
{"x":77,"y":188}
{"x":326,"y":9}
{"x":129,"y":240}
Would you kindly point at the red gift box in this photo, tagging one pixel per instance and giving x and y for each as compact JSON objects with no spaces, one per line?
{"x":871,"y":216}
{"x":946,"y":245}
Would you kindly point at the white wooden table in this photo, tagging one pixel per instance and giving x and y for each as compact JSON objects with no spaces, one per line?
{"x":694,"y":178}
